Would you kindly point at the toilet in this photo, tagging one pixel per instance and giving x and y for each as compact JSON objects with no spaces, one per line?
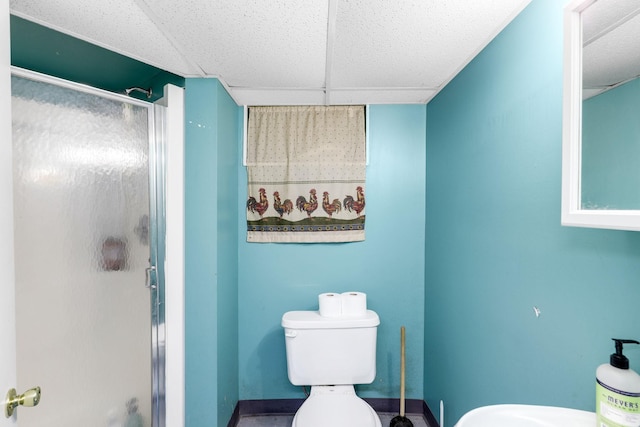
{"x":332,"y":354}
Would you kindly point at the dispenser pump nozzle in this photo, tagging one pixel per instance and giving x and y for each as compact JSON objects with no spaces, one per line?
{"x":617,"y":359}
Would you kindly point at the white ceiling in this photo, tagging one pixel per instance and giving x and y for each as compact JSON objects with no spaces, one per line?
{"x":270,"y":52}
{"x":611,"y":54}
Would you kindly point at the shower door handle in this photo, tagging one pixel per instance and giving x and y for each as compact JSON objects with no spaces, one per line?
{"x":151,"y":278}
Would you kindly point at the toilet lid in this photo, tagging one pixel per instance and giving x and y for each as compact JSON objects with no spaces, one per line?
{"x":337,"y":410}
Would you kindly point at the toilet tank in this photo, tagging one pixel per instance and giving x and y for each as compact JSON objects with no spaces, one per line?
{"x":330,"y":350}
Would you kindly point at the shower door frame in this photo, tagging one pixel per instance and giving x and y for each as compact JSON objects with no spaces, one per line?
{"x":158,"y":115}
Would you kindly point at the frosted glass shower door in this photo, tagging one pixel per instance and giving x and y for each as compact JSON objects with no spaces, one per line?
{"x":83,"y":313}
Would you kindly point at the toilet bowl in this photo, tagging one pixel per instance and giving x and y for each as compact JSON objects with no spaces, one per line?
{"x":332,"y":354}
{"x":335,"y":406}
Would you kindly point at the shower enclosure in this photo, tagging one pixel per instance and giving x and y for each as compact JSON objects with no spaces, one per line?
{"x":89,"y":239}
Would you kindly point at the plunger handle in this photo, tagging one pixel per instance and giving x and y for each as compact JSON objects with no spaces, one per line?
{"x":402,"y":371}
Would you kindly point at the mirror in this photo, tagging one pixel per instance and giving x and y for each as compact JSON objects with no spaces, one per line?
{"x":601,"y":115}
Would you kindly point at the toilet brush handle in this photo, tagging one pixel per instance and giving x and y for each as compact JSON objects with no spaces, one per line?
{"x":402,"y":371}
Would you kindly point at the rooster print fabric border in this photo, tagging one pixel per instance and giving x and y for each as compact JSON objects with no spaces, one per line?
{"x":304,"y":189}
{"x":306,"y":213}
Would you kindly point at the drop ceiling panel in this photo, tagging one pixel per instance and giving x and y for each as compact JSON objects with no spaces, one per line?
{"x":611,"y":55}
{"x":253,"y":43}
{"x":254,"y":96}
{"x":613,"y":58}
{"x":412,"y":43}
{"x":380,"y":96}
{"x":603,"y":16}
{"x":118,"y":25}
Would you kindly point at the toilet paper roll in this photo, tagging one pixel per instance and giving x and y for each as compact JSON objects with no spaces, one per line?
{"x":354,"y":304}
{"x":330,"y":304}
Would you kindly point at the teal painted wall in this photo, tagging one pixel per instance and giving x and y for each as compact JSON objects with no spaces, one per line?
{"x":388,"y":266}
{"x":610,"y":135}
{"x":228,"y":136}
{"x":211,"y":260}
{"x":494,"y":244}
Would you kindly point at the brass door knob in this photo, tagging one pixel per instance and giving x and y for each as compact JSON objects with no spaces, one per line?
{"x":30,"y":397}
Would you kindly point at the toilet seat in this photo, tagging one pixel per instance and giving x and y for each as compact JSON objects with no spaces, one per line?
{"x":335,"y":406}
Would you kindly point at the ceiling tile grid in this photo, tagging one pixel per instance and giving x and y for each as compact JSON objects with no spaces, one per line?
{"x":292,"y":51}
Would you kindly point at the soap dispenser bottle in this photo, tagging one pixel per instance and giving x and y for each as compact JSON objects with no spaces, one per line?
{"x":618,"y":391}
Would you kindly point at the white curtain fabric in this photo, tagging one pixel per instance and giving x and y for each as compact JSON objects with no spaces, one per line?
{"x":306,"y":174}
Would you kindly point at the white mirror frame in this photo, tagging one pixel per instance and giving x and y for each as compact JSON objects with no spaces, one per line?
{"x":572,"y":213}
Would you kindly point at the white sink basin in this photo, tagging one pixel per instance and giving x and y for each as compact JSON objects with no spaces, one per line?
{"x":526,"y":416}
